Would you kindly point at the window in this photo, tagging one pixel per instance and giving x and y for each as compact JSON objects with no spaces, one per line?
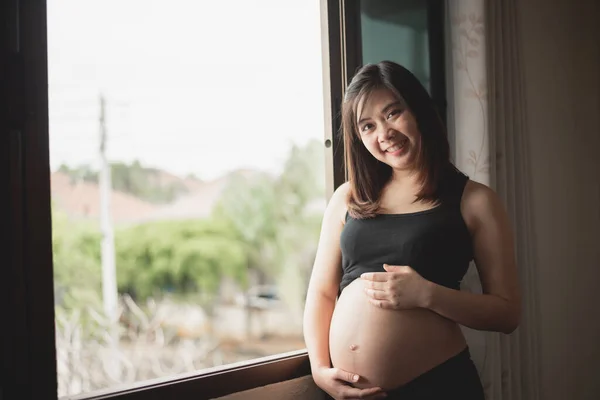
{"x":187,"y":182}
{"x":51,"y":137}
{"x":408,"y":32}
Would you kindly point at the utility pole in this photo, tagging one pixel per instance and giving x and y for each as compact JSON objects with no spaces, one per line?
{"x":109,"y":271}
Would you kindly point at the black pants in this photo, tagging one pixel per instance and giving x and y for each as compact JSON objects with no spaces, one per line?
{"x":455,"y":378}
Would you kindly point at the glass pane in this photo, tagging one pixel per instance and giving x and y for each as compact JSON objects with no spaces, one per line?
{"x":396,"y":31}
{"x":188,"y":183}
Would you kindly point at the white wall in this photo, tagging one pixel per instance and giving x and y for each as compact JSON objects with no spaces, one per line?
{"x":561,"y":50}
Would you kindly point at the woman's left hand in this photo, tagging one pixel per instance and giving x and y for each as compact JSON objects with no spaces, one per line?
{"x":400,"y":288}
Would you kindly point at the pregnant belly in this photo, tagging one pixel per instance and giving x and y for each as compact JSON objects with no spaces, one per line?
{"x":388,"y":348}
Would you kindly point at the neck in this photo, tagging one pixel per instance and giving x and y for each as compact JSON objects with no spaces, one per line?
{"x":404,"y":175}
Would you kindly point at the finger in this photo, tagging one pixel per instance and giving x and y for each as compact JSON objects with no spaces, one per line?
{"x":384,"y":304}
{"x":395,"y":268}
{"x":355,"y":393}
{"x":345,"y":376}
{"x":376,"y":294}
{"x":375,"y":285}
{"x":375,"y":276}
{"x":377,"y":396}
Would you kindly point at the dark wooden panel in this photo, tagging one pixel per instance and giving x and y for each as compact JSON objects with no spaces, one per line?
{"x":437,"y":54}
{"x":337,"y":84}
{"x":29,"y":362}
{"x":216,"y":383}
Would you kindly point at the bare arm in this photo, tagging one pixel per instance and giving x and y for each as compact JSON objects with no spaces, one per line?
{"x":320,"y":303}
{"x":324,"y":282}
{"x":499,"y":307}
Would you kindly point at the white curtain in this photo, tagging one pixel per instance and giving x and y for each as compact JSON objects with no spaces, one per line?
{"x":490,"y":146}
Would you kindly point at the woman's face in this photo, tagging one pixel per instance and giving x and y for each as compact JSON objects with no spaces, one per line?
{"x":388,"y":129}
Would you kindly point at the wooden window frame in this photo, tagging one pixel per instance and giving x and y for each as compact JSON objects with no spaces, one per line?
{"x":352,"y":45}
{"x":28,"y":334}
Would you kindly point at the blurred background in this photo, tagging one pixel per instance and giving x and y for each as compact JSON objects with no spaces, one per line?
{"x":188,"y":183}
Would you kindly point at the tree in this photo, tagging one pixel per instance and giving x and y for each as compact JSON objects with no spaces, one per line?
{"x":249,"y":206}
{"x":183,"y":257}
{"x":272,"y":216}
{"x":135,"y":179}
{"x":263,"y":224}
{"x":76,"y":258}
{"x":301,"y":195}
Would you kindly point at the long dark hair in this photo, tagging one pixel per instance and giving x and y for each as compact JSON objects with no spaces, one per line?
{"x":367,"y":176}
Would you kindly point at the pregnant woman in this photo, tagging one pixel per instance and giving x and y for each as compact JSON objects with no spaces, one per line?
{"x":383,"y":308}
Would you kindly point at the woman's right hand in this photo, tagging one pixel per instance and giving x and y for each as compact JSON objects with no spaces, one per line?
{"x":336,"y":382}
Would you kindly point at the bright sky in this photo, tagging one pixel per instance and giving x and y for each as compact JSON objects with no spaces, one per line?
{"x":192,"y":86}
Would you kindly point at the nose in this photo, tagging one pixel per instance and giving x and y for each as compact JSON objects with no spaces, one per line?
{"x":386,"y":133}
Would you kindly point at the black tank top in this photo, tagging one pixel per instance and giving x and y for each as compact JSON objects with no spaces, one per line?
{"x":435,"y":243}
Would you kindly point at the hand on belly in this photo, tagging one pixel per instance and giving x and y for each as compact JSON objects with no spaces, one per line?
{"x":388,"y":348}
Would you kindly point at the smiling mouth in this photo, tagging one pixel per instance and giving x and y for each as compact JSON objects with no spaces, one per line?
{"x":398,"y":146}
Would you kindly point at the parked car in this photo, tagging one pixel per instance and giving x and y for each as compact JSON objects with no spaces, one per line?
{"x":261,"y":297}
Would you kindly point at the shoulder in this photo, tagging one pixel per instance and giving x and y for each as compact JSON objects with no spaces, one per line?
{"x":342,"y":191}
{"x":480,"y":204}
{"x":478,"y":195}
{"x":337,"y":205}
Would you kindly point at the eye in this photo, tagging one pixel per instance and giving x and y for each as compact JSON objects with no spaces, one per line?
{"x":394,"y":113}
{"x":366,"y":127}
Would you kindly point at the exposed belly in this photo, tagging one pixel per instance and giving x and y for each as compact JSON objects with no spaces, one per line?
{"x":388,"y":348}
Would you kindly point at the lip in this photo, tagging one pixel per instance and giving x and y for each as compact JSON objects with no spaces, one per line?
{"x":397,"y":152}
{"x":400,"y":150}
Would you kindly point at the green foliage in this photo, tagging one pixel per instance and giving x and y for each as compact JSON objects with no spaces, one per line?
{"x":189,"y":257}
{"x":303,"y":178}
{"x":271,"y":215}
{"x":134,"y":179}
{"x":84,"y":173}
{"x":262,"y":223}
{"x":77,"y":270}
{"x":249,"y":206}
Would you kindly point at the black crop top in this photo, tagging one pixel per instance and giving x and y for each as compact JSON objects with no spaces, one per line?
{"x":435,"y":243}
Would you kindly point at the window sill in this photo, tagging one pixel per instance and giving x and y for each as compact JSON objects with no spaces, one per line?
{"x":214,"y":382}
